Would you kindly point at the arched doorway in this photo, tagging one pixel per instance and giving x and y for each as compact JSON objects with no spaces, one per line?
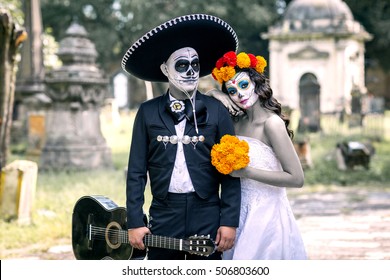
{"x":309,"y":103}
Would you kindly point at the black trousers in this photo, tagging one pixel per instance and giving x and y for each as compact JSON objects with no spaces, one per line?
{"x":182,"y":216}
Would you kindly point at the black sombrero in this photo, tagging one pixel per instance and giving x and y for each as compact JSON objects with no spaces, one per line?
{"x":210,"y":36}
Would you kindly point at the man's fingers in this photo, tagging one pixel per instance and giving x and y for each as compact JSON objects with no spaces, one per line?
{"x":225,"y":244}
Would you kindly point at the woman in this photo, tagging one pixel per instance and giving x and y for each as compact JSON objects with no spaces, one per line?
{"x":267,"y":229}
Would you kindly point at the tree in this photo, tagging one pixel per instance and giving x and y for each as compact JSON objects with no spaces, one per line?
{"x":114,"y":25}
{"x":376,"y":19}
{"x":10,"y":37}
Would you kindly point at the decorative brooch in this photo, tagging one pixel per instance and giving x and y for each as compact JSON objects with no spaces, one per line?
{"x":174,"y":139}
{"x":177,"y":106}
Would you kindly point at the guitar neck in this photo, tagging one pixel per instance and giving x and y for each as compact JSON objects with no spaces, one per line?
{"x":158,"y":241}
{"x":163,"y":242}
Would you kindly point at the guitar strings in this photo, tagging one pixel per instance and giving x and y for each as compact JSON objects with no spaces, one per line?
{"x":116,"y":236}
{"x":119,"y":235}
{"x":122,"y":235}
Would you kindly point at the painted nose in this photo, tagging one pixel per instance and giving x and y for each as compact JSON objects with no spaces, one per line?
{"x":240,"y":95}
{"x":190,"y":71}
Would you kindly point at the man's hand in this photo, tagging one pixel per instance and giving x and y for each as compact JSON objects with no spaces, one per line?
{"x":225,"y":238}
{"x":136,"y":236}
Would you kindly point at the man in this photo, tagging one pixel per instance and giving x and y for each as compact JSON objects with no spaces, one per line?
{"x":172,"y":142}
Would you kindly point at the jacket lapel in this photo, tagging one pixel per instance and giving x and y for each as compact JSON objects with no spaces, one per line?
{"x":165,"y":115}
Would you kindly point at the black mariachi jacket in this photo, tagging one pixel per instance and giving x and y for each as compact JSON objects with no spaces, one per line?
{"x":148,"y":156}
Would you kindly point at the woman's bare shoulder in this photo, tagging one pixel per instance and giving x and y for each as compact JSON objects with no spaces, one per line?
{"x":274,"y":122}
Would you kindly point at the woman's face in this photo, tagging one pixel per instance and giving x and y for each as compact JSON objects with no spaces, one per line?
{"x":241,"y":90}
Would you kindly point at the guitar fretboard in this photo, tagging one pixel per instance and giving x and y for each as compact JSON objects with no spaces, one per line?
{"x":121,"y":236}
{"x":163,"y":242}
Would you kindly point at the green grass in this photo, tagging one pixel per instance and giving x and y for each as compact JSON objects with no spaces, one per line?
{"x":325,"y":169}
{"x":57,"y":193}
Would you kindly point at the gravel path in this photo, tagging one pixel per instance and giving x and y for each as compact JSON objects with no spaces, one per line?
{"x":346,"y":223}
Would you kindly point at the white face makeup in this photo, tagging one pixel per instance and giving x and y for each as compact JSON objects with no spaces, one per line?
{"x":242,"y":90}
{"x":182,"y":69}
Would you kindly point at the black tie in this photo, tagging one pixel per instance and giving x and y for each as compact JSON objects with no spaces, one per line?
{"x":180,"y":109}
{"x":201,"y":112}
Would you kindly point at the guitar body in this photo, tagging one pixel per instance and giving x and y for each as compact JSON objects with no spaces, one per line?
{"x":95,"y":222}
{"x":99,"y":231}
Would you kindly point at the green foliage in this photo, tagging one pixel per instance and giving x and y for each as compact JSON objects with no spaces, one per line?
{"x":325,"y":171}
{"x":375,"y":17}
{"x":113,"y":25}
{"x":15,"y":9}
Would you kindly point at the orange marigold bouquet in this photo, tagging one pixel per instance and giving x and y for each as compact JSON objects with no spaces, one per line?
{"x":230,"y":154}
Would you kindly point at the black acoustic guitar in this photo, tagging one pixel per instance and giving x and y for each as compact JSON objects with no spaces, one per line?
{"x":97,"y":233}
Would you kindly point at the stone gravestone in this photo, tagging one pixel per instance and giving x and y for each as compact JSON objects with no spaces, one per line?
{"x":77,"y":89}
{"x":36,"y":133}
{"x":30,"y":99}
{"x":17,"y":191}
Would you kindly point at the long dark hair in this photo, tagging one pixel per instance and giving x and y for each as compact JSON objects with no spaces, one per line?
{"x":264,"y":91}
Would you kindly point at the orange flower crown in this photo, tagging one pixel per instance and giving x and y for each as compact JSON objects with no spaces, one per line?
{"x":225,"y":67}
{"x":230,"y":154}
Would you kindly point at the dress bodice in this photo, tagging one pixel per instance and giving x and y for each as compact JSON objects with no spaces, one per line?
{"x":262,"y":157}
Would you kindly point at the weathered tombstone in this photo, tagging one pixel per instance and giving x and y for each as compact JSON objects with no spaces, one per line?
{"x":355,"y":119}
{"x":77,"y":89}
{"x":36,"y":133}
{"x":17,"y":191}
{"x":353,"y":153}
{"x":30,"y":99}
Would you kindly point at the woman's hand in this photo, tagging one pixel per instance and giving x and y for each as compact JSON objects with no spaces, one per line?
{"x":226,"y":101}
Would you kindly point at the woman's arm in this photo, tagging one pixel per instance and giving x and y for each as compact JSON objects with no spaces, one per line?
{"x":292,"y":174}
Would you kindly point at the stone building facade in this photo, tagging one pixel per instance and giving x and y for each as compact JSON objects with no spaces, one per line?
{"x":317,"y":59}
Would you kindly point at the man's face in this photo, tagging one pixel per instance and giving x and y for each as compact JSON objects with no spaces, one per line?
{"x":241,"y":90}
{"x":182,"y":69}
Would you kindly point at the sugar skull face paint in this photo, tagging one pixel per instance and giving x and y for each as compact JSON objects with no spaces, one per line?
{"x":242,"y":90}
{"x":182,"y":69}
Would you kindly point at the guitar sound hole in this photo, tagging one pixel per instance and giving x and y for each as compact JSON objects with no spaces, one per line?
{"x":112,"y":235}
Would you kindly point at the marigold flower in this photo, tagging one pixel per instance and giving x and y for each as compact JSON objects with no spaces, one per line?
{"x":230,"y":62}
{"x":261,"y":64}
{"x":230,"y":154}
{"x":243,"y":60}
{"x":227,"y":72}
{"x":253,"y":60}
{"x":230,"y":58}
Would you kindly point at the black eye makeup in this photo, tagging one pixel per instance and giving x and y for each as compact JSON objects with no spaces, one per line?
{"x":182,"y":65}
{"x":195,"y":65}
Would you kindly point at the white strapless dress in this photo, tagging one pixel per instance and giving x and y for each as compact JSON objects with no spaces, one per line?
{"x":267,"y":229}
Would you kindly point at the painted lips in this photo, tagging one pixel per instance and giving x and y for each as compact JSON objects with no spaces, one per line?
{"x":243,"y":102}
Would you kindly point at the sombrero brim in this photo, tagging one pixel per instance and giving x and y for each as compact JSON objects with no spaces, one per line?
{"x":210,"y":36}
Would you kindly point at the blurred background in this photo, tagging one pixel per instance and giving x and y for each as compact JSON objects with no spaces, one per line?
{"x":67,"y":110}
